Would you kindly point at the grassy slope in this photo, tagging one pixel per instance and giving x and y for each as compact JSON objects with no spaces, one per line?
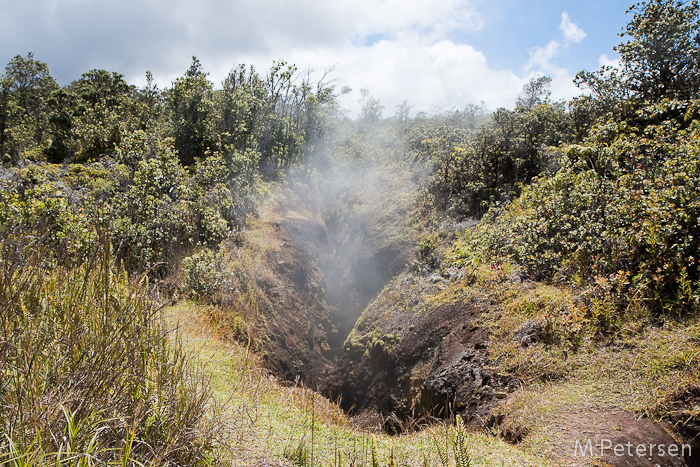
{"x":574,"y":370}
{"x":271,"y":423}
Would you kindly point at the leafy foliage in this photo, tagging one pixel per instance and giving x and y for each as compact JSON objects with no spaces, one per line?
{"x":613,"y":205}
{"x":600,"y":195}
{"x":660,"y":59}
{"x":190,"y":103}
{"x":511,"y":148}
{"x":620,"y":215}
{"x":658,"y":62}
{"x":170,"y":169}
{"x":25,"y":89}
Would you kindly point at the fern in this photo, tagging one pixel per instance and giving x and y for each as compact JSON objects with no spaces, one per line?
{"x":459,"y":445}
{"x":442,"y":450}
{"x":375,"y":455}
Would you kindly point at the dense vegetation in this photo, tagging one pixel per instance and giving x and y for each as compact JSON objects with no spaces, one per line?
{"x":107,"y":188}
{"x":620,"y":211}
{"x":604,"y":189}
{"x":167,"y":170}
{"x":89,"y":373}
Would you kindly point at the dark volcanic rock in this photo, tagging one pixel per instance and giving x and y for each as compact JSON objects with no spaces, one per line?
{"x":530,"y":333}
{"x":620,"y":439}
{"x":429,"y":363}
{"x":297,"y":322}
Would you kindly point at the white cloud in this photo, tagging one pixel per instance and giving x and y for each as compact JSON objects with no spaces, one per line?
{"x":542,"y":60}
{"x":431,"y":76}
{"x":541,"y":57}
{"x":572,"y":33}
{"x":398,"y":49}
{"x":394,"y":18}
{"x":409,"y":59}
{"x":604,"y":60}
{"x":441,"y":75}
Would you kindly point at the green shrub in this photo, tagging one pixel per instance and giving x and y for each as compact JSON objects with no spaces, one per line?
{"x":428,"y":254}
{"x":202,"y":274}
{"x":619,"y":217}
{"x":472,"y":174}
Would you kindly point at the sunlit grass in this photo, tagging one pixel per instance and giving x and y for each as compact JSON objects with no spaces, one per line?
{"x":644,"y":367}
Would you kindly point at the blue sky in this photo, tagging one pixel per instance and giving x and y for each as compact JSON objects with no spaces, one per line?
{"x":436,"y":55}
{"x":526,"y":24}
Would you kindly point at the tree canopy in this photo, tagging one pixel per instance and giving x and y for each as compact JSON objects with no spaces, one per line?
{"x":659,"y":60}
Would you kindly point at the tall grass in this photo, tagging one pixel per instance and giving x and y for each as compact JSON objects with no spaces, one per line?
{"x":88,"y":372}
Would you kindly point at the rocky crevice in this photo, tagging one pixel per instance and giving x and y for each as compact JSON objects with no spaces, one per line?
{"x":431,"y":363}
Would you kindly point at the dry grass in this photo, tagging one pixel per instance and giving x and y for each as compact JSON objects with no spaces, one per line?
{"x":87,"y":371}
{"x":645,"y":367}
{"x":574,"y":365}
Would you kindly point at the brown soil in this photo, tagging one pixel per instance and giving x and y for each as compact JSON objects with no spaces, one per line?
{"x":297,"y":321}
{"x":619,"y":439}
{"x":681,"y":407}
{"x":415,"y":362}
{"x":318,"y":291}
{"x":355,"y":264}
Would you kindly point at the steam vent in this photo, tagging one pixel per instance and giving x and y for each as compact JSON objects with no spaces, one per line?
{"x":450,"y":234}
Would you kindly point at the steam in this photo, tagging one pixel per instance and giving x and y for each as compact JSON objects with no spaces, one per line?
{"x":347,"y":207}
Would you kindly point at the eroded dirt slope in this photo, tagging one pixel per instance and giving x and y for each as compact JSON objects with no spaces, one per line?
{"x":319,"y":270}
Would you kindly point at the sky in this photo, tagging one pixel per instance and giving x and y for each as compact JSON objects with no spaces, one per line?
{"x":436,"y":55}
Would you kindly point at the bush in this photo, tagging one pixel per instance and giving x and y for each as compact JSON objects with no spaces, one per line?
{"x":472,"y":174}
{"x":202,"y":274}
{"x":619,"y":217}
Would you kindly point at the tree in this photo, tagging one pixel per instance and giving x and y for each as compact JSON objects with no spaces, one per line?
{"x":403,"y":111}
{"x":241,"y":100}
{"x":102,"y":112}
{"x":25,"y":90}
{"x":281,"y":136}
{"x":659,"y":61}
{"x":5,"y":105}
{"x":63,"y":105}
{"x":534,"y":92}
{"x":370,"y":108}
{"x":498,"y":159}
{"x":661,"y":58}
{"x":190,"y":103}
{"x":100,"y":88}
{"x":281,"y":115}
